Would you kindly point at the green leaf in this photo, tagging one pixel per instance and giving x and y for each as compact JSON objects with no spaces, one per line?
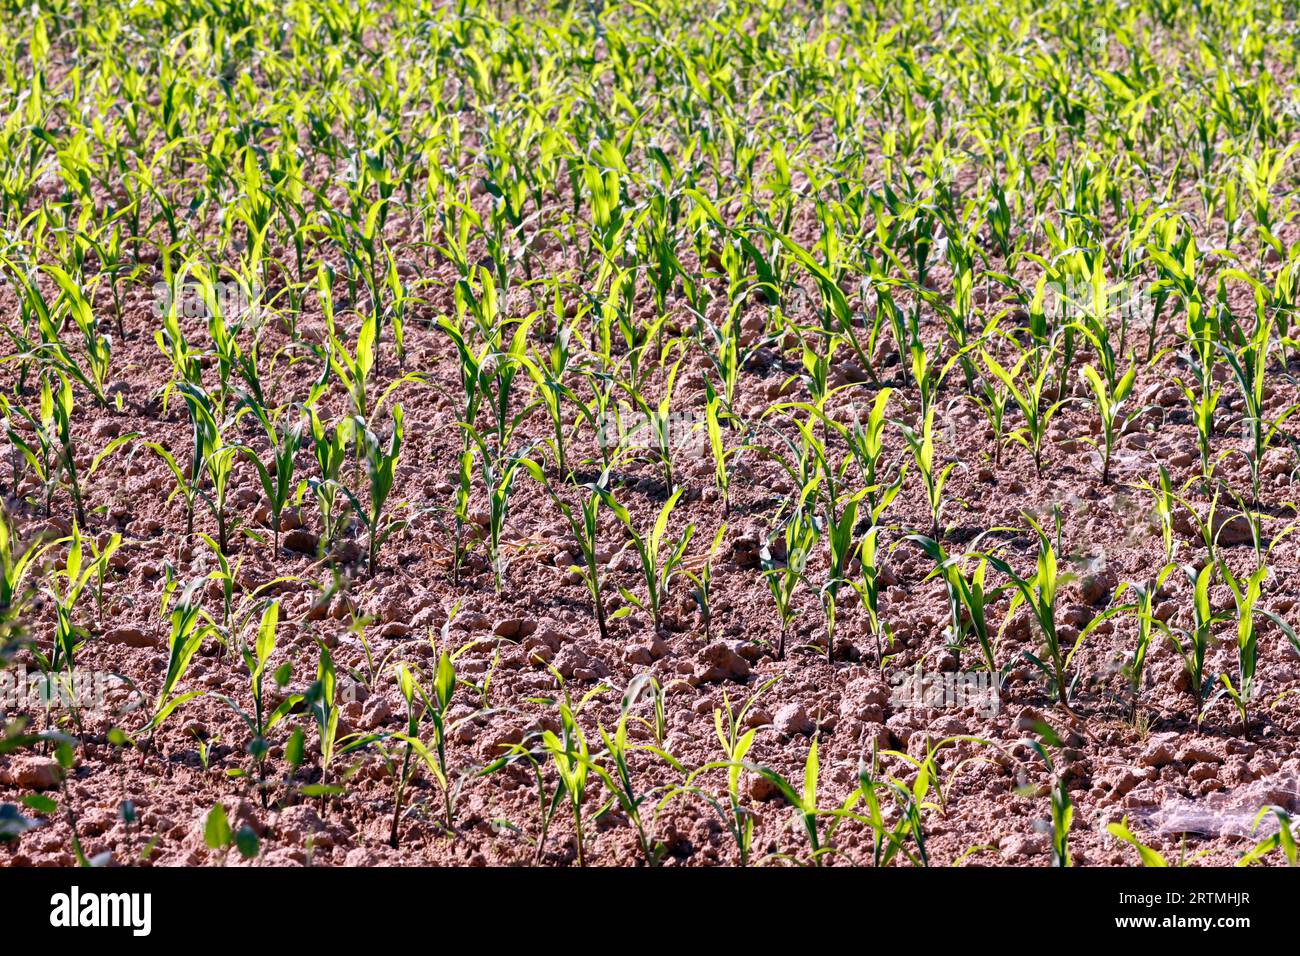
{"x":40,"y":803}
{"x":216,"y":830}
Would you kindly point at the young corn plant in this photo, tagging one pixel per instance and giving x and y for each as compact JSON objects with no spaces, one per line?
{"x":868,"y":590}
{"x":1285,"y":839}
{"x":237,"y":605}
{"x":571,"y":757}
{"x":839,"y":539}
{"x":381,"y":465}
{"x":890,"y":838}
{"x":1193,"y":643}
{"x":798,"y":540}
{"x":660,"y":559}
{"x":66,"y":585}
{"x":547,"y":373}
{"x":1246,"y":593}
{"x":436,"y":707}
{"x":498,"y":475}
{"x":1203,"y":401}
{"x":330,"y":447}
{"x":221,"y":838}
{"x":96,"y":347}
{"x":930,"y":771}
{"x":260,"y":722}
{"x":1148,"y":626}
{"x":1110,"y":400}
{"x":620,"y":781}
{"x":284,"y":440}
{"x":212,"y":462}
{"x":62,"y":407}
{"x":1062,"y":806}
{"x":934,"y":477}
{"x":1036,"y":410}
{"x":190,"y":626}
{"x":403,"y":776}
{"x":701,"y":578}
{"x":659,"y":422}
{"x":735,"y":742}
{"x":584,"y":525}
{"x":809,"y":813}
{"x":1249,"y":367}
{"x":722,"y":456}
{"x":1163,"y":502}
{"x":994,"y":403}
{"x":1149,"y":857}
{"x":968,"y":601}
{"x":323,"y":707}
{"x":644,"y":685}
{"x":530,"y":751}
{"x":1208,"y":526}
{"x":1038,"y":593}
{"x":461,"y":517}
{"x":352,"y":367}
{"x":40,"y":451}
{"x":867,"y":445}
{"x":18,"y":561}
{"x":475,"y":374}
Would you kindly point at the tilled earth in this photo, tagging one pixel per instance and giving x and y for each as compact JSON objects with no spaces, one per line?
{"x":1184,"y":789}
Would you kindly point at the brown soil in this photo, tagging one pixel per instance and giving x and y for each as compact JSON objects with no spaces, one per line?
{"x":1114,"y":768}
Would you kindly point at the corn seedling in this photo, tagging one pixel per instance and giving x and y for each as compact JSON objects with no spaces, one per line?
{"x":1285,"y":839}
{"x":1193,"y":644}
{"x":642,"y":686}
{"x":498,"y":476}
{"x":190,"y":626}
{"x":1163,"y":502}
{"x":620,"y":781}
{"x":221,"y":839}
{"x":661,"y":560}
{"x":66,"y":586}
{"x":1124,"y":834}
{"x":212,"y":463}
{"x":435,"y":708}
{"x":808,"y":812}
{"x":735,"y":743}
{"x":284,"y":440}
{"x":934,"y":477}
{"x":702,"y":582}
{"x":1110,"y":398}
{"x":1062,"y":816}
{"x":929,"y":770}
{"x":584,"y":524}
{"x":1034,"y":407}
{"x":381,"y":465}
{"x":721,"y":454}
{"x":570,"y":756}
{"x":968,"y":601}
{"x":1038,"y":594}
{"x":320,"y":699}
{"x":330,"y":445}
{"x":1249,"y":367}
{"x":1245,"y":594}
{"x":839,"y":539}
{"x":1148,"y":626}
{"x":889,"y":837}
{"x":783,"y":574}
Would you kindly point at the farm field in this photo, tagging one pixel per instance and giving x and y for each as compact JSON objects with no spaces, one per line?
{"x":622,"y":434}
